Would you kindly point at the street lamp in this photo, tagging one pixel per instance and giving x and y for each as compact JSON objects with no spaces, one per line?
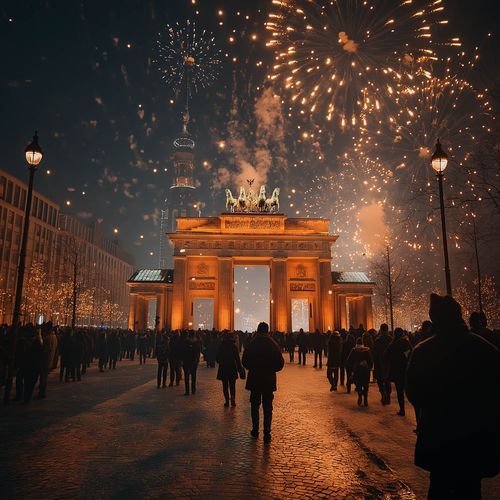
{"x":439,"y":162}
{"x":34,"y":155}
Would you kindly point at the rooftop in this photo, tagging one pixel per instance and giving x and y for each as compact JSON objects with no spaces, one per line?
{"x":350,"y":277}
{"x":152,"y":276}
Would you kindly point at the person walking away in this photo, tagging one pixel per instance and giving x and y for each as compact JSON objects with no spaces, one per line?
{"x":228,"y":358}
{"x":191,"y":350}
{"x":380,"y":345}
{"x":49,"y":352}
{"x":290,"y":345}
{"x":458,"y":433}
{"x":114,"y":349}
{"x":174,"y":359}
{"x":396,"y":357}
{"x":102,"y":350}
{"x":162,"y":356}
{"x":263,"y":359}
{"x":334,"y":359}
{"x":319,"y":345}
{"x":303,"y":343}
{"x":361,"y":361}
{"x":142,"y":348}
{"x":479,"y":325}
{"x":65,"y":352}
{"x":349,"y":343}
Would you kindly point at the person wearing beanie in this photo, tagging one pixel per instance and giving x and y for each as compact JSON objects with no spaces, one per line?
{"x":458,"y":434}
{"x":262,"y":358}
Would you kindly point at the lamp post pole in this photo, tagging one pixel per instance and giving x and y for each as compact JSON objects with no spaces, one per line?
{"x":445,"y":238}
{"x":439,"y":162}
{"x":478,"y":268}
{"x":34,"y":154}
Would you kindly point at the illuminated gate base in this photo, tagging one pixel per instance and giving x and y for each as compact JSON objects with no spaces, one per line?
{"x":297,"y":251}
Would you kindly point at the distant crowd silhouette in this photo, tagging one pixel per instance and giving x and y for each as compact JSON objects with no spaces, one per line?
{"x":449,"y":372}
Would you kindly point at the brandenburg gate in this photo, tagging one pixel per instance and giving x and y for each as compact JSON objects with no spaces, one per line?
{"x":206,"y":251}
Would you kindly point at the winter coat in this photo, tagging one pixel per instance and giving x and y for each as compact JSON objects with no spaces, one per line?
{"x":290,"y":341}
{"x":163,"y":351}
{"x":49,"y":352}
{"x":318,"y":341}
{"x":262,"y":358}
{"x":114,"y":344}
{"x":335,"y":345}
{"x":379,"y":347}
{"x":396,"y":357}
{"x":228,"y":358}
{"x":348,"y":345}
{"x":303,"y":341}
{"x":102,"y":346}
{"x":452,"y":380}
{"x":190,"y":351}
{"x":361,"y":361}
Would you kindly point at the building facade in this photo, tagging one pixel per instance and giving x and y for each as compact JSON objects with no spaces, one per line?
{"x":52,"y":241}
{"x":296,"y":250}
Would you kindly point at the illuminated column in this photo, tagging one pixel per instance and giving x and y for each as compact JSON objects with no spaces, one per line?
{"x":343,"y":311}
{"x":326,"y":303}
{"x":225,"y":294}
{"x":131,"y":312}
{"x":141,"y":313}
{"x":179,"y":293}
{"x":368,"y":312}
{"x":279,"y":290}
{"x":160,"y":310}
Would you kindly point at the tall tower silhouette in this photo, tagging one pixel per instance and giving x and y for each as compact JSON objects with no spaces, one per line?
{"x":180,"y":201}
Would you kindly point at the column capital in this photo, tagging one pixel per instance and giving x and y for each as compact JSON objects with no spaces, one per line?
{"x":279,"y":259}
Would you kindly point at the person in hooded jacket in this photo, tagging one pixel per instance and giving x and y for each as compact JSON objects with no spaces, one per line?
{"x":228,"y":358}
{"x":396,"y":357}
{"x":334,"y":359}
{"x":380,"y":345}
{"x":458,"y":433}
{"x":479,"y":325}
{"x":361,"y":361}
{"x":262,"y":358}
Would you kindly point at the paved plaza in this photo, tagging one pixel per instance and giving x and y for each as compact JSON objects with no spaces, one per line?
{"x":115,"y":435}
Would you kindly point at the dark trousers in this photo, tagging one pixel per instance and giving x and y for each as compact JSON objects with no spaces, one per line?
{"x":162,"y":374}
{"x":190,"y":373}
{"x":266,"y":399}
{"x":448,"y":486}
{"x":333,"y":376}
{"x":175,"y":371}
{"x":229,"y":389}
{"x":42,"y":386}
{"x":142,"y":357}
{"x":344,"y":374}
{"x":302,"y":357}
{"x":291,"y":352}
{"x":318,"y":353}
{"x":103,"y":361}
{"x":400,"y":391}
{"x":384,"y":387}
{"x":113,"y":358}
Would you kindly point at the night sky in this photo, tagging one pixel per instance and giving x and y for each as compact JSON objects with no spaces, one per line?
{"x":83,"y":74}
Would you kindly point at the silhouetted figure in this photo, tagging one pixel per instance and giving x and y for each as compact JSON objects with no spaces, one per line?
{"x":479,"y":325}
{"x":30,"y":361}
{"x":102,"y":350}
{"x":380,"y":345}
{"x":174,"y":359}
{"x":262,"y":358}
{"x":49,"y":352}
{"x":290,"y":346}
{"x":458,"y":431}
{"x":303,"y":343}
{"x":114,"y":348}
{"x":228,"y":358}
{"x":66,"y":352}
{"x":162,"y":356}
{"x":142,"y":348}
{"x":396,"y":357}
{"x":319,"y":345}
{"x":361,"y":361}
{"x":345,"y":370}
{"x":191,"y":350}
{"x":334,"y":359}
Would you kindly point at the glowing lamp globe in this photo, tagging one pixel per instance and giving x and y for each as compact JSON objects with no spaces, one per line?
{"x":189,"y":61}
{"x":33,"y":152}
{"x":439,"y":160}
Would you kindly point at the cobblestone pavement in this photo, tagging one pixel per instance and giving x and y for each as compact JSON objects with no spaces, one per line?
{"x":115,"y":435}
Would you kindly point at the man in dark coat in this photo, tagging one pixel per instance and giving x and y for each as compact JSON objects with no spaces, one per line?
{"x":479,"y":325}
{"x":380,"y":345}
{"x":228,"y":358}
{"x":49,"y":340}
{"x":191,"y":350}
{"x":174,"y":359}
{"x":262,"y":358}
{"x":345,"y":370}
{"x":458,"y":432}
{"x":361,"y":361}
{"x":162,"y":353}
{"x":334,"y":359}
{"x":318,"y":344}
{"x":396,"y":357}
{"x":114,"y":348}
{"x":102,"y":350}
{"x":290,"y":345}
{"x":303,"y":343}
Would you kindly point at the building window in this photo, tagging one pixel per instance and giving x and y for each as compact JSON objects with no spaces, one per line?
{"x":8,"y":195}
{"x":3,"y":180}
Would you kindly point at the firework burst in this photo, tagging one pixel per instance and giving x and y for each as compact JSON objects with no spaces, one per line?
{"x":188,"y":57}
{"x":342,"y":59}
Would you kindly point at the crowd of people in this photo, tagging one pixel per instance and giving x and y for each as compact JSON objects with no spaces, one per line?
{"x":428,"y":365}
